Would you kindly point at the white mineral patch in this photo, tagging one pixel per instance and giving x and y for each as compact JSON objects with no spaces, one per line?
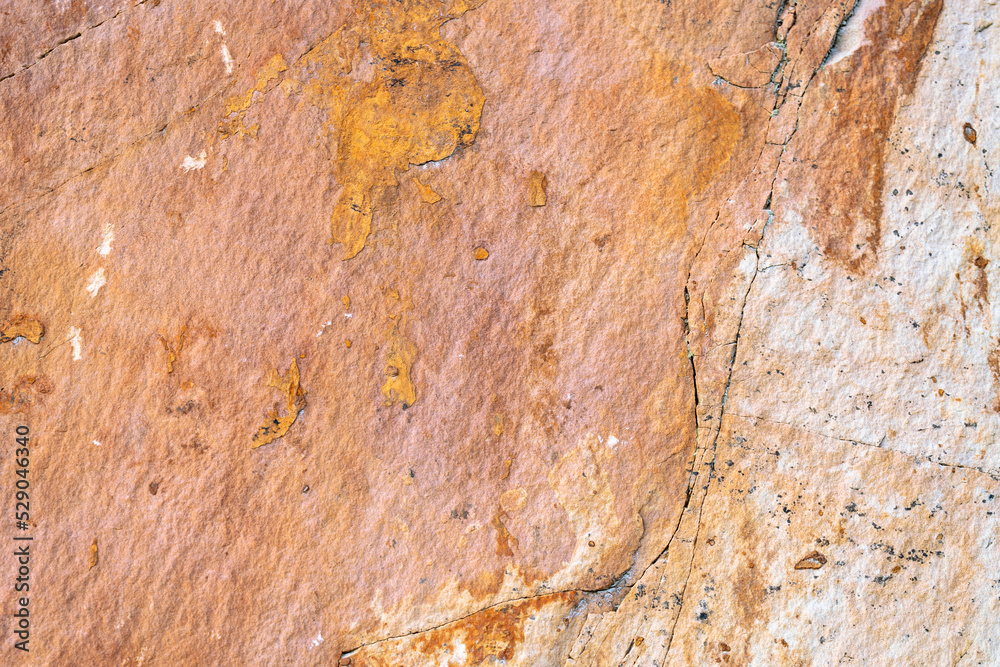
{"x":97,"y":281}
{"x":227,"y":59}
{"x":106,"y":238}
{"x":194,"y":162}
{"x":74,"y":340}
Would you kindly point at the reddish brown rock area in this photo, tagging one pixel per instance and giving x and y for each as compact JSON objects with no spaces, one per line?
{"x":469,"y":332}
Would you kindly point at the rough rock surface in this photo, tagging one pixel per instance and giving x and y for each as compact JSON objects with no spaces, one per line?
{"x":460,"y":332}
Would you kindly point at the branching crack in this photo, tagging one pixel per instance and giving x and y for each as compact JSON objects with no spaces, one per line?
{"x":710,"y":465}
{"x":715,"y":440}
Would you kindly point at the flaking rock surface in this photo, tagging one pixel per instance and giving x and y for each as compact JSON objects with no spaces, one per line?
{"x":471,"y":332}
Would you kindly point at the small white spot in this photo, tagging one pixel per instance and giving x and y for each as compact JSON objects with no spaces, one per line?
{"x":97,"y":281}
{"x":218,"y":27}
{"x":74,"y":340}
{"x":106,"y":238}
{"x":348,"y":315}
{"x":461,"y":653}
{"x":227,"y":59}
{"x":319,"y":640}
{"x":194,"y":163}
{"x":97,"y":442}
{"x":612,"y":441}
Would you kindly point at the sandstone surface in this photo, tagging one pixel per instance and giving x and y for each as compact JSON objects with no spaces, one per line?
{"x":473,"y":332}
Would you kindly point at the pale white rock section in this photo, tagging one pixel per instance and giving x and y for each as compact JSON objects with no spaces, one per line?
{"x":863,"y":414}
{"x":903,"y":358}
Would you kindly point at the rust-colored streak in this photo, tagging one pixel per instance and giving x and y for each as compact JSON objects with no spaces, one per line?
{"x":973,"y":285}
{"x":492,"y":634}
{"x":981,"y":281}
{"x":857,"y":100}
{"x":504,"y":538}
{"x":748,"y":590}
{"x":993,"y":359}
{"x":22,"y":326}
{"x":295,"y":398}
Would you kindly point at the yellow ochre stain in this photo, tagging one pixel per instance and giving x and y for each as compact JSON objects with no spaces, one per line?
{"x":418,"y":103}
{"x":22,"y":326}
{"x":498,"y":427}
{"x":274,"y":426}
{"x":427,"y":193}
{"x":237,"y":105}
{"x":399,"y":360}
{"x":267,"y":73}
{"x":173,"y":350}
{"x":537,"y":187}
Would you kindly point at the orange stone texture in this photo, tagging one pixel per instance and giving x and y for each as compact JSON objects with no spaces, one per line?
{"x":471,"y":332}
